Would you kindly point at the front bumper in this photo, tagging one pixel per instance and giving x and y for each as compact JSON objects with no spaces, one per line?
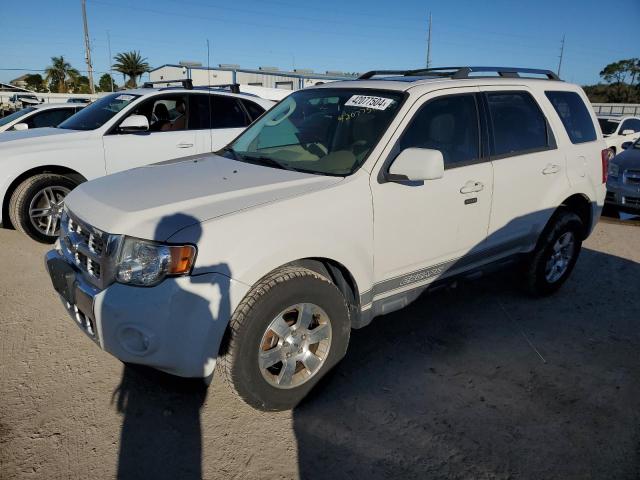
{"x":623,"y":196}
{"x":176,"y":326}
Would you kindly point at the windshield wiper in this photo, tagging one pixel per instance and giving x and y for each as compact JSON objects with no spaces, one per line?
{"x":260,"y":160}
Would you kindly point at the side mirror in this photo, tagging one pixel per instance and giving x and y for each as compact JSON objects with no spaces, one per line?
{"x":134,"y":123}
{"x":626,"y":145}
{"x":21,"y":126}
{"x":628,"y":131}
{"x":417,"y":164}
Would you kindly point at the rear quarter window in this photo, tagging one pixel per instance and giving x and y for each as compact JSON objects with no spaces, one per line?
{"x":574,"y":116}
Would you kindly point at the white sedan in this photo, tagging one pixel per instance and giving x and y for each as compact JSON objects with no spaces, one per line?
{"x":119,"y":131}
{"x":618,"y":130}
{"x":38,"y":116}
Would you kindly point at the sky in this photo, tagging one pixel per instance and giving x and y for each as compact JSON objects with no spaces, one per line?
{"x":344,"y":35}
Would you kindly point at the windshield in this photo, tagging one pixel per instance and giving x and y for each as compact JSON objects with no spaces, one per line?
{"x":99,"y":112}
{"x":608,"y":126}
{"x":324,"y":131}
{"x":15,"y":115}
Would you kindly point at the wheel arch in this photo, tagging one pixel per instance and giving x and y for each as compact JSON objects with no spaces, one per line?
{"x":579,"y":204}
{"x":56,"y":169}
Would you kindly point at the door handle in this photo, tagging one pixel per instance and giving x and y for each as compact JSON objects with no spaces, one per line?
{"x":185,"y":145}
{"x":472,"y":187}
{"x":550,"y":169}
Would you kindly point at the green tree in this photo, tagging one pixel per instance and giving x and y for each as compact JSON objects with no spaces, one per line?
{"x":81,"y":85}
{"x":60,"y":74}
{"x":132,"y":65}
{"x":35,"y":82}
{"x":104,"y":84}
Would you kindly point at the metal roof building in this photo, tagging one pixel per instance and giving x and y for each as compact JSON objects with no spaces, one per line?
{"x":223,"y":74}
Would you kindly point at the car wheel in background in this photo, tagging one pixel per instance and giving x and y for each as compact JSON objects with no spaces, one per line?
{"x":36,"y":205}
{"x":555,"y":255}
{"x":290,"y":329}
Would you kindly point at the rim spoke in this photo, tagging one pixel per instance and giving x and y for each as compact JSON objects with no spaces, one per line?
{"x":270,"y":357}
{"x":286,"y":374}
{"x":321,"y":332}
{"x":311,"y":362}
{"x":305,"y":315}
{"x":42,"y":212}
{"x":281,"y":327}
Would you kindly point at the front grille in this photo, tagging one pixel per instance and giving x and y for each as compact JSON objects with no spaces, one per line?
{"x":632,"y":201}
{"x":631,"y":177}
{"x":611,"y":197}
{"x":86,"y":247}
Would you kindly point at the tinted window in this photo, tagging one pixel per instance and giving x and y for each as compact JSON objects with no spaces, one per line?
{"x":630,"y":124}
{"x":448,"y":124}
{"x":49,"y":118}
{"x":15,"y":115}
{"x":608,"y":126}
{"x":254,"y":109}
{"x":227,"y":113}
{"x":518,"y":123}
{"x":574,"y":115}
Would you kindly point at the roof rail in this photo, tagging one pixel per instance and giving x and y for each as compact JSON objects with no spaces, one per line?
{"x":462,"y":72}
{"x":186,"y":83}
{"x":233,"y":87}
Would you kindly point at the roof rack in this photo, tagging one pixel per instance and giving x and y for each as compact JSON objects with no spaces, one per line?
{"x":461,"y":72}
{"x":233,"y":87}
{"x":186,"y":83}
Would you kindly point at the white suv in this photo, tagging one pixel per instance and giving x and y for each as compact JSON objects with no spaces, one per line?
{"x":38,"y":168}
{"x":342,"y":203}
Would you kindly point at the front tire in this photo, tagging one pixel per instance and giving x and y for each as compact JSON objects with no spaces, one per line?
{"x":36,"y":205}
{"x":287,"y":333}
{"x":555,"y":255}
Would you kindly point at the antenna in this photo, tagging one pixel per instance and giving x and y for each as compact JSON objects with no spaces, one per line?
{"x":429,"y":43}
{"x":561,"y":55}
{"x":209,"y":97}
{"x":87,"y":46}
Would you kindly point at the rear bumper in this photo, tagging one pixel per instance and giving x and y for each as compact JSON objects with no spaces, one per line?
{"x":176,"y":326}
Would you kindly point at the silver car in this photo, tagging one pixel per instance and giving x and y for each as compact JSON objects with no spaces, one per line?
{"x":623,"y":182}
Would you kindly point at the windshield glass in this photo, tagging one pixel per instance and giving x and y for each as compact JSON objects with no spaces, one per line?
{"x":15,"y":115}
{"x":99,"y":112}
{"x":324,"y":131}
{"x":608,"y":126}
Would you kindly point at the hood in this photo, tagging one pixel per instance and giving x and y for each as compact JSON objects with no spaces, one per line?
{"x":629,"y":158}
{"x":155,"y":201}
{"x":36,"y":136}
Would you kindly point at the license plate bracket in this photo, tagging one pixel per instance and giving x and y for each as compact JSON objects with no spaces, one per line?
{"x":63,"y":277}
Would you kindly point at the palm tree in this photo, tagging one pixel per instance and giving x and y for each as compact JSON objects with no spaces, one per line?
{"x":130,"y":64}
{"x":60,"y":72}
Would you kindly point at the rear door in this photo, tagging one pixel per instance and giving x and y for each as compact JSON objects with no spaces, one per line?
{"x":170,"y":135}
{"x":529,"y":170}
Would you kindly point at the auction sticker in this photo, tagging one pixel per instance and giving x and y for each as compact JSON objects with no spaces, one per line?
{"x":125,"y":98}
{"x":365,"y":101}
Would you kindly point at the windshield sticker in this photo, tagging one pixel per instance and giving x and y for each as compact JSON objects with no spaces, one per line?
{"x":125,"y":98}
{"x":377,"y":103}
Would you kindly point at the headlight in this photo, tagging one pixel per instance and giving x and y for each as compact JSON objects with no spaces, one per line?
{"x":614,"y":170}
{"x":146,"y":263}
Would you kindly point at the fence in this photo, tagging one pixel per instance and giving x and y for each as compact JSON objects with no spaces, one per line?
{"x":616,"y":108}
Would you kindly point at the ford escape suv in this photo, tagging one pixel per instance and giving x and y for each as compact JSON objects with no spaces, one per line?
{"x":342,"y":203}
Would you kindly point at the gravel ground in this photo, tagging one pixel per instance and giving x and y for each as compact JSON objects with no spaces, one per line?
{"x":479,"y":381}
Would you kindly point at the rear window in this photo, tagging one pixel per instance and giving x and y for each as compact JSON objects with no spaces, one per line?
{"x":574,"y":115}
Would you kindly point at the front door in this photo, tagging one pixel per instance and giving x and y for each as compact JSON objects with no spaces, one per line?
{"x":425,"y":230}
{"x":169,"y":136}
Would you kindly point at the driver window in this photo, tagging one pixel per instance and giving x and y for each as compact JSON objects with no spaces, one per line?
{"x":167,"y":113}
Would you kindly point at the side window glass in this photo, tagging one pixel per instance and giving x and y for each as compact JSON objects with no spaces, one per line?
{"x":49,"y":118}
{"x":254,"y":109}
{"x":448,"y":124}
{"x":630,"y":124}
{"x":165,"y":113}
{"x":518,"y":123}
{"x":574,"y":115}
{"x":199,"y":107}
{"x":227,"y":113}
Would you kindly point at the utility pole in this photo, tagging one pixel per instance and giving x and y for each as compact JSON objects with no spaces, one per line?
{"x":561,"y":55}
{"x":429,"y":43}
{"x":110,"y":59}
{"x":87,"y":46}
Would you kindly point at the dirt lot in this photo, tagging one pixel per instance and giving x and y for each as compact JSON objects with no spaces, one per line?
{"x":474,"y":382}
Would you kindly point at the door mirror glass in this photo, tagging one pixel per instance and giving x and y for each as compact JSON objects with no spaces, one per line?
{"x":417,"y":164}
{"x":626,"y":145}
{"x":134,"y":123}
{"x":21,"y":126}
{"x":628,"y":131}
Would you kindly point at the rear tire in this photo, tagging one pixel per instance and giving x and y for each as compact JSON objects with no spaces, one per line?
{"x":271,"y":358}
{"x":555,"y":255}
{"x":36,"y":205}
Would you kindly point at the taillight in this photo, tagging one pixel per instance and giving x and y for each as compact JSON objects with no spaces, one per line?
{"x":606,"y":155}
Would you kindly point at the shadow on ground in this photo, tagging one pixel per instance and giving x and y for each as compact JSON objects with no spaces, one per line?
{"x":483,"y":382}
